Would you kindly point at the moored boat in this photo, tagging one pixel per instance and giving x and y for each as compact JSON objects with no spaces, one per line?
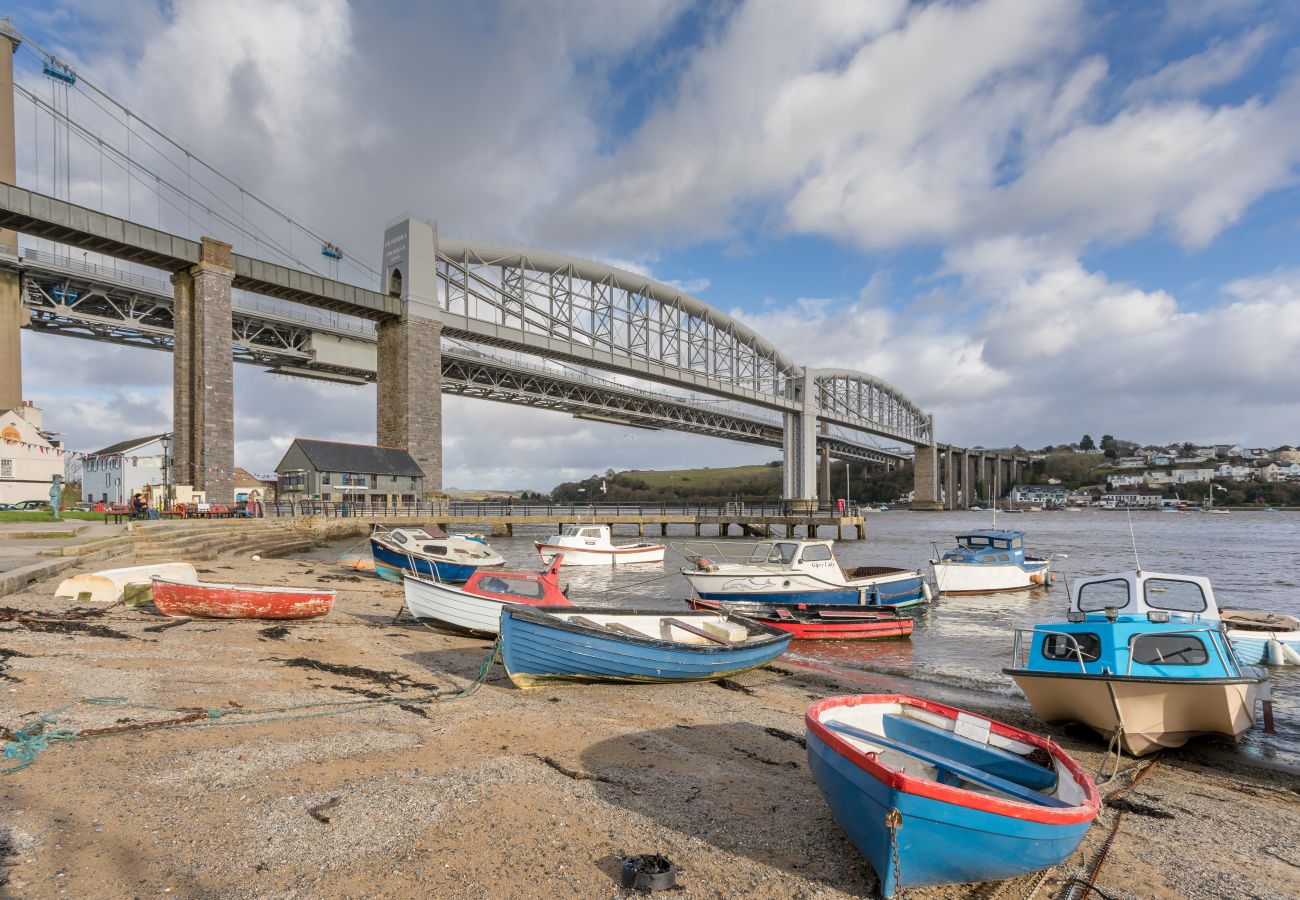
{"x":1263,"y":637}
{"x":592,"y":545}
{"x":1141,"y":659}
{"x":987,"y":562}
{"x":239,"y":601}
{"x":796,"y":571}
{"x":580,"y":643}
{"x":132,"y":583}
{"x":933,"y":795}
{"x":451,"y":558}
{"x":820,"y":623}
{"x":475,"y":607}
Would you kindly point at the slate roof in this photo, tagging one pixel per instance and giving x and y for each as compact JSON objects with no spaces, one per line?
{"x":361,"y":459}
{"x":124,"y":446}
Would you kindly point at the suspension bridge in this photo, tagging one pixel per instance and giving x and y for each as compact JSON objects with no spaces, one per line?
{"x":441,"y":316}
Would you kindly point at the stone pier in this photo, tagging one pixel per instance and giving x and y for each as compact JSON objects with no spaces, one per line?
{"x":13,"y":316}
{"x":203,"y":414}
{"x":408,"y":400}
{"x":926,"y":479}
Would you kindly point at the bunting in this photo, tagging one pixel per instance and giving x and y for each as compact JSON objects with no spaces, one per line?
{"x":121,"y":458}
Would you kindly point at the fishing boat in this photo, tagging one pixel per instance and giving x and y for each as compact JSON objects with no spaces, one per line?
{"x":820,"y":623}
{"x":931,"y":795}
{"x":1263,"y":637}
{"x":239,"y":601}
{"x":444,"y":557}
{"x":475,"y":607}
{"x":591,"y":545}
{"x":1142,"y":659}
{"x":989,"y":561}
{"x":584,"y":643}
{"x":796,"y":571}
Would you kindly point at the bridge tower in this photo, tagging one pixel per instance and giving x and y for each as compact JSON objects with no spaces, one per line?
{"x":800,"y":440}
{"x":12,"y":314}
{"x":408,"y":401}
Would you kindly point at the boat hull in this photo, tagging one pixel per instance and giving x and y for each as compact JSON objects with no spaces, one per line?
{"x":131,"y":584}
{"x":807,"y":627}
{"x":903,"y":589}
{"x":937,"y":840}
{"x":537,"y":648}
{"x":389,"y":565}
{"x":1252,"y":647}
{"x":451,"y":607}
{"x":1155,"y":713}
{"x":236,"y":601}
{"x":983,"y":578}
{"x":618,"y":556}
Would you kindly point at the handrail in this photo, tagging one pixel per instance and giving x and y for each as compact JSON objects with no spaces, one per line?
{"x":1218,"y":652}
{"x":1015,"y":652}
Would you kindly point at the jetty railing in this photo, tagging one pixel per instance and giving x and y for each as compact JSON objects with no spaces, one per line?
{"x":593,"y":512}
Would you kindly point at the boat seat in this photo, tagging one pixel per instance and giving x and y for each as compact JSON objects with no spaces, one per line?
{"x":944,"y":764}
{"x":984,"y":757}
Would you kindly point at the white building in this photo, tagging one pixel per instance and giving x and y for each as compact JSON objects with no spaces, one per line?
{"x":1117,"y":481}
{"x":29,"y":458}
{"x":1134,"y":498}
{"x":1157,"y":479}
{"x":1236,"y":472}
{"x":116,"y":473}
{"x":1188,"y":476}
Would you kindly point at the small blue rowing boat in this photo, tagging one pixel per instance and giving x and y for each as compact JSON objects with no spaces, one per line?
{"x":934,"y":795}
{"x":576,"y":643}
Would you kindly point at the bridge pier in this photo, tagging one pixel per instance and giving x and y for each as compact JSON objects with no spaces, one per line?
{"x":925,"y":479}
{"x":203,"y":394}
{"x":12,"y":314}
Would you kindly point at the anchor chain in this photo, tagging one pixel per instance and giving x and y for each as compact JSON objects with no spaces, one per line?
{"x":894,"y":821}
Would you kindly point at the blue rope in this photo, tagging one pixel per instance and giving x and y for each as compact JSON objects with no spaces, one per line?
{"x":28,"y":743}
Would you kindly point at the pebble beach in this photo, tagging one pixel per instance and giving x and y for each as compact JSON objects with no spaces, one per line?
{"x":505,"y":792}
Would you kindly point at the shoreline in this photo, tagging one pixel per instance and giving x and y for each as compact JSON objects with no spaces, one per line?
{"x":458,"y":799}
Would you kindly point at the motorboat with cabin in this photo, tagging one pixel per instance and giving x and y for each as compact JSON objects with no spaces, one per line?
{"x":475,"y":606}
{"x":592,"y":545}
{"x":989,"y":561}
{"x":796,"y":571}
{"x":441,"y":557}
{"x":1142,"y":659}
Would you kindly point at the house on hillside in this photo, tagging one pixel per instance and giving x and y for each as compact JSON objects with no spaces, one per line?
{"x":1113,"y":499}
{"x":1039,"y":494}
{"x":29,"y":456}
{"x":1236,"y":471}
{"x":116,"y":473}
{"x":334,"y":471}
{"x":1116,"y":480}
{"x":1190,"y":475}
{"x":1286,"y":453}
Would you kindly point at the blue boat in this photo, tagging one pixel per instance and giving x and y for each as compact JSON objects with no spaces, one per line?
{"x":1143,"y":659}
{"x":451,"y":558}
{"x":796,"y":572}
{"x":575,"y":643}
{"x":933,"y":795}
{"x":989,"y":561}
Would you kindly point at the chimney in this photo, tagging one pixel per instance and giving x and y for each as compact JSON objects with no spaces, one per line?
{"x":32,"y":413}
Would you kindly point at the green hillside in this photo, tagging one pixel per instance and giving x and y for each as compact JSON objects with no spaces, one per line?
{"x":680,"y":477}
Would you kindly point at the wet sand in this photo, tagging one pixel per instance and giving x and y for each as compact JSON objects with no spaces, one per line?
{"x":455,"y":799}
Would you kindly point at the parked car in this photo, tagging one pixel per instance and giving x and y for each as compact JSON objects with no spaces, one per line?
{"x":32,"y":505}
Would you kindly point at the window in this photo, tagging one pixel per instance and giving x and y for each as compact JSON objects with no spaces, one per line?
{"x":1169,"y":650}
{"x":1098,"y":595}
{"x":7,"y":469}
{"x":589,"y":532}
{"x":759,"y":553}
{"x":1002,"y":557}
{"x":1002,"y":545}
{"x":974,"y":542}
{"x":435,"y":550}
{"x":783,"y":554}
{"x":1015,"y":543}
{"x":408,"y":498}
{"x":413,"y":484}
{"x":398,"y":537}
{"x":816,"y":553}
{"x":513,"y":587}
{"x":1171,"y":594}
{"x":1071,"y":646}
{"x":324,"y":477}
{"x":327,"y":496}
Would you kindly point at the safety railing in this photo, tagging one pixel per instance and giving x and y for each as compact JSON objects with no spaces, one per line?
{"x":591,"y":512}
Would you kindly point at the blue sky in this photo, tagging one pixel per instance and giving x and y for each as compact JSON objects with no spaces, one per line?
{"x":1037,"y":218}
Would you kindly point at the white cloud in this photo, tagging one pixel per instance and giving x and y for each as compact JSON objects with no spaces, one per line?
{"x":1221,"y":63}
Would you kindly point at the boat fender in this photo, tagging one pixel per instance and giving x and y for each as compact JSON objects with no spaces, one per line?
{"x":1289,"y":654}
{"x":925,"y":591}
{"x":1273,"y":652}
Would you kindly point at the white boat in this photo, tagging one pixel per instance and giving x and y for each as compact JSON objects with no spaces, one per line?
{"x":988,"y":561}
{"x":475,"y":606}
{"x":1263,"y":637}
{"x":590,"y":545}
{"x":796,"y":571}
{"x":131,"y":583}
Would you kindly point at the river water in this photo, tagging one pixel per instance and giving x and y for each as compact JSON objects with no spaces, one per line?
{"x":1252,"y":559}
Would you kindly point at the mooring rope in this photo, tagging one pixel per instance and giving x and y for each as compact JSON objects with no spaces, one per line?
{"x":30,"y":741}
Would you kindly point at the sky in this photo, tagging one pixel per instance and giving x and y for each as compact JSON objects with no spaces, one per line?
{"x":1035,"y":218}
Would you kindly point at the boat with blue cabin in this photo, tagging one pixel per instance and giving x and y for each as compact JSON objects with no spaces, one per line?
{"x":931,"y":794}
{"x":989,"y":561}
{"x":452,"y":558}
{"x":796,"y":572}
{"x":1142,"y":659}
{"x":574,"y":643}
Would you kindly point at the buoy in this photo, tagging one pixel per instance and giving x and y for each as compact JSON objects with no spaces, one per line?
{"x":1273,"y":652}
{"x":1062,"y":556}
{"x":925,"y":591}
{"x":1290,"y":654}
{"x":256,"y":558}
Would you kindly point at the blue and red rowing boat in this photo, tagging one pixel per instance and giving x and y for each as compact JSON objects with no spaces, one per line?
{"x":934,"y":795}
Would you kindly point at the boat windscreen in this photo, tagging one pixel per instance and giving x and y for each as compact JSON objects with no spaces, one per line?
{"x":569,"y":531}
{"x":1174,"y":594}
{"x":760,"y":553}
{"x":975,"y":541}
{"x":1095,"y":596}
{"x":514,"y":587}
{"x":783,"y":554}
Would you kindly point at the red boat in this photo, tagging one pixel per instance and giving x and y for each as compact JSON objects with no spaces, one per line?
{"x":239,"y":601}
{"x":820,"y":623}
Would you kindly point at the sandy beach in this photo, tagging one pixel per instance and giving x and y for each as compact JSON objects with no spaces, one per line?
{"x":469,"y":797}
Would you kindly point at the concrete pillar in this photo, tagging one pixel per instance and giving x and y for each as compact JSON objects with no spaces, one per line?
{"x":13,"y":316}
{"x":982,"y":475}
{"x":967,"y":480}
{"x":799,"y":441}
{"x":203,"y":395}
{"x":640,"y":529}
{"x":663,"y":529}
{"x":697,"y":529}
{"x":925,"y":478}
{"x":408,"y":397}
{"x":824,"y":494}
{"x":950,"y":478}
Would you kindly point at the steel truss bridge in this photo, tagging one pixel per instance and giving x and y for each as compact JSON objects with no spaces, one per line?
{"x":79,"y":299}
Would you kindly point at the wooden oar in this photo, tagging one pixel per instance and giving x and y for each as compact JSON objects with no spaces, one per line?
{"x":678,"y":623}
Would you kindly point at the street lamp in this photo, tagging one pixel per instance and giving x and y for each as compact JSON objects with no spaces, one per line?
{"x":166,"y":466}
